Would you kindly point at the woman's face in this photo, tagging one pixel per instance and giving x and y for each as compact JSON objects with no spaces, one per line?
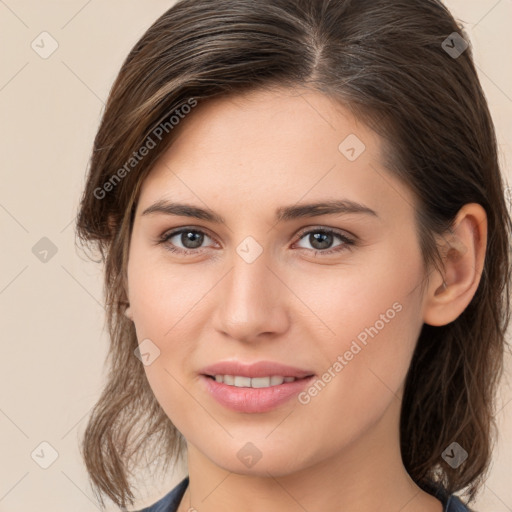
{"x":337,"y":295}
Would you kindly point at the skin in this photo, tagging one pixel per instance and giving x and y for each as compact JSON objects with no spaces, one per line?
{"x":243,"y":157}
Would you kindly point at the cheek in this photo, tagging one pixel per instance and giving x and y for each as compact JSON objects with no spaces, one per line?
{"x":164,"y":301}
{"x":367,"y":365}
{"x":363,"y":301}
{"x":374,"y":319}
{"x":161,"y":293}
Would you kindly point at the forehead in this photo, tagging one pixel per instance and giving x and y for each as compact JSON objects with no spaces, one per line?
{"x":281,"y":119}
{"x":283,"y":144}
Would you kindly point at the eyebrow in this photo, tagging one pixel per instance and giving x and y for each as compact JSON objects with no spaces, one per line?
{"x":282,"y":214}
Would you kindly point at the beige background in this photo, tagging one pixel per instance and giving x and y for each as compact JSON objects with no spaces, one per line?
{"x":53,"y":342}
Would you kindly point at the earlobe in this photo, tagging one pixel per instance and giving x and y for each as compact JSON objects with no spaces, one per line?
{"x":128,"y":313}
{"x":463,"y":252}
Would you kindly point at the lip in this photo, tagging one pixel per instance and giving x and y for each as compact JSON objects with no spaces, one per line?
{"x":258,"y":369}
{"x":254,"y":400}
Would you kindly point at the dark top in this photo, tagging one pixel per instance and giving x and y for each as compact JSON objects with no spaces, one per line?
{"x":171,"y":501}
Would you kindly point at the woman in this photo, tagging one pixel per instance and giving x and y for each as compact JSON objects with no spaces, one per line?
{"x":307,"y":259}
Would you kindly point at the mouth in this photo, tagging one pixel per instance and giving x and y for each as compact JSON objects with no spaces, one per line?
{"x":254,"y":395}
{"x":255,"y":387}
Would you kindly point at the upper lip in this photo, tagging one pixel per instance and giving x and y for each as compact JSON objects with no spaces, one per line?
{"x":258,"y":369}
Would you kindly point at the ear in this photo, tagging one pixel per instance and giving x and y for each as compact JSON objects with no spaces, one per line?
{"x":463,"y":251}
{"x":128,"y":313}
{"x":113,"y":226}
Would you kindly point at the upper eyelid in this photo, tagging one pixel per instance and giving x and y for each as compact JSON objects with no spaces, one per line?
{"x":337,"y":231}
{"x":177,"y":231}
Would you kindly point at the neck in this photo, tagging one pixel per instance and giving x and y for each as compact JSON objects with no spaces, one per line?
{"x":364,"y":475}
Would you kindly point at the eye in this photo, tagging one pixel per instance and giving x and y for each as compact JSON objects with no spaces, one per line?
{"x":192,"y":239}
{"x":322,"y":239}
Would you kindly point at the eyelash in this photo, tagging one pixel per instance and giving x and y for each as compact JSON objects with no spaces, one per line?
{"x":346,"y":245}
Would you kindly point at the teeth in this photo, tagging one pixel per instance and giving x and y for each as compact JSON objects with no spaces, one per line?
{"x":255,"y":382}
{"x":242,"y":382}
{"x":264,"y":382}
{"x":229,"y":379}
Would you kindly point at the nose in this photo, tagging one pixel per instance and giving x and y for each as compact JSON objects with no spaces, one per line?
{"x":252,"y":302}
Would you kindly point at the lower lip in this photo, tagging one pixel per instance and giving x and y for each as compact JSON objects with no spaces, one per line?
{"x":254,"y":400}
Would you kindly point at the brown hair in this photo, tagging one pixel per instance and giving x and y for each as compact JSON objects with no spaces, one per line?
{"x":388,"y":62}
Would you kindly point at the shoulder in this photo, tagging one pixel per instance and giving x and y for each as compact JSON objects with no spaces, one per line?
{"x":170,"y":502}
{"x":453,"y":504}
